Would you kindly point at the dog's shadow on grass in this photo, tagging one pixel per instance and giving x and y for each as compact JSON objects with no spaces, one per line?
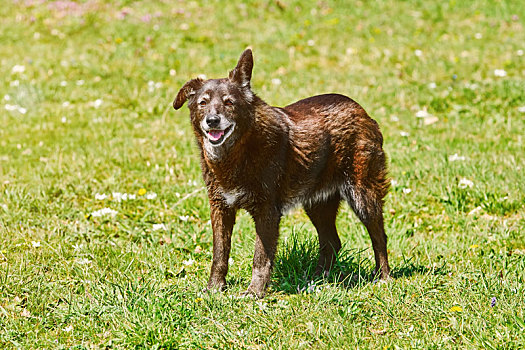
{"x":297,"y":260}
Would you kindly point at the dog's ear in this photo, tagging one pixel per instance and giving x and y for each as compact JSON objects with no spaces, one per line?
{"x":186,"y":91}
{"x":242,"y":74}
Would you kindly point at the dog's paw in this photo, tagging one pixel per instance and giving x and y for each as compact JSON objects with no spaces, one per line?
{"x":215,"y":286}
{"x":382,"y":274}
{"x":247,"y":295}
{"x":381,"y":279}
{"x":321,"y":272}
{"x":256,"y":293}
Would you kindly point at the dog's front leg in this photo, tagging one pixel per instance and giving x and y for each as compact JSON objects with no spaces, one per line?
{"x":267,"y":229}
{"x":222,"y":220}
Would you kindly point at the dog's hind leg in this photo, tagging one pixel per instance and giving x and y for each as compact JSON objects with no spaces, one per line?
{"x":323,"y":215}
{"x":369,"y":210}
{"x":365,"y":191}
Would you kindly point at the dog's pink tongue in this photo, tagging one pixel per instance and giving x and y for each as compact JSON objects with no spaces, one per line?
{"x":216,"y":134}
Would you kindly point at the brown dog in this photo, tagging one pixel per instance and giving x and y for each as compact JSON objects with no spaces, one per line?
{"x":267,"y":159}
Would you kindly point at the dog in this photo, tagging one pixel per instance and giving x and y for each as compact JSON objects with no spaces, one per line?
{"x":315,"y":152}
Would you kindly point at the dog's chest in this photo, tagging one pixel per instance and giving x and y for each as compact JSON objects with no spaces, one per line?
{"x":233,"y":197}
{"x":239,"y":197}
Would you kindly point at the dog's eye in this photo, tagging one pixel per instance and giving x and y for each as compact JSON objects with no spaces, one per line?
{"x":228,"y":102}
{"x":202,"y":103}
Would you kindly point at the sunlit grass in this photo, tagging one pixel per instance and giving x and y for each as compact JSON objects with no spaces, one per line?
{"x":104,"y":218}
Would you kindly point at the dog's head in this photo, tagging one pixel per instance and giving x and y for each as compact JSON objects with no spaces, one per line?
{"x":221,"y":110}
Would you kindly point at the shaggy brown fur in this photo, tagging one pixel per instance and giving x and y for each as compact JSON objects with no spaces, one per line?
{"x":315,"y":152}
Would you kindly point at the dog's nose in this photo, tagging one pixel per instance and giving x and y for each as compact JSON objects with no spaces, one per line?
{"x":213,"y":120}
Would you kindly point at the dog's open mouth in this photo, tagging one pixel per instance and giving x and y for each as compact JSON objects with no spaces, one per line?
{"x":217,"y":136}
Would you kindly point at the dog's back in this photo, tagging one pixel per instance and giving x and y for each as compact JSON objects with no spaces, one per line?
{"x":334,"y":145}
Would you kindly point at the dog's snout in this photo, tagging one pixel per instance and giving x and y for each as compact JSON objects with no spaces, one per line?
{"x":213,"y":120}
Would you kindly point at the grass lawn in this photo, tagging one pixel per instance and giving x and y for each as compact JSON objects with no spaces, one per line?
{"x":105,"y":239}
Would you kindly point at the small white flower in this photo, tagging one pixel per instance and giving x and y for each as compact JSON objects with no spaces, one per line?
{"x":63,"y":120}
{"x":283,"y":303}
{"x":97,"y":103}
{"x":173,"y":72}
{"x":431,"y":120}
{"x":158,"y":227}
{"x":4,"y":206}
{"x":184,"y":217}
{"x":464,"y":183}
{"x":104,"y":212}
{"x":123,"y":196}
{"x":18,"y":69}
{"x":151,"y":195}
{"x":151,"y":86}
{"x":455,"y":157}
{"x":7,"y":97}
{"x":311,"y":287}
{"x":80,"y":82}
{"x":310,"y":42}
{"x":230,"y":261}
{"x":519,"y":52}
{"x":418,"y":53}
{"x":68,"y":328}
{"x":500,"y":73}
{"x":474,"y":211}
{"x":407,"y":190}
{"x":394,"y":118}
{"x":188,"y":262}
{"x":83,"y":261}
{"x":478,"y":36}
{"x":63,"y":83}
{"x":35,"y":244}
{"x":22,"y":110}
{"x":117,"y":196}
{"x":276,"y":81}
{"x":521,"y":109}
{"x":77,"y":247}
{"x":25,"y":313}
{"x":423,"y":114}
{"x":404,"y":133}
{"x":100,"y":197}
{"x":394,"y":182}
{"x":66,"y":104}
{"x":10,"y":108}
{"x":432,"y":85}
{"x":14,"y":83}
{"x":262,"y":306}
